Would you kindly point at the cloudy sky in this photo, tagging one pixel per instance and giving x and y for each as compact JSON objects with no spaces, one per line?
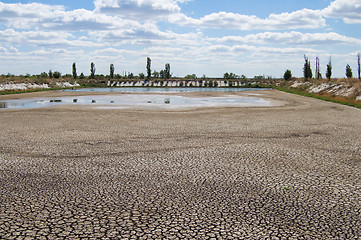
{"x":195,"y":36}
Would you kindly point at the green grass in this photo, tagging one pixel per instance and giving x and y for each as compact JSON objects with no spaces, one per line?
{"x":339,"y":100}
{"x":8,"y":92}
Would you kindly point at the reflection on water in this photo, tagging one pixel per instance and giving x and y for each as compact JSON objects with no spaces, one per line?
{"x":162,"y":90}
{"x":138,"y":100}
{"x":3,"y":105}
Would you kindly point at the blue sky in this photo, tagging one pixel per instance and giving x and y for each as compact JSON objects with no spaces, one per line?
{"x":210,"y":37}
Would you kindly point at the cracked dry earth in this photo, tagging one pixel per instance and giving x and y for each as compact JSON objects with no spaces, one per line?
{"x":288,"y":172}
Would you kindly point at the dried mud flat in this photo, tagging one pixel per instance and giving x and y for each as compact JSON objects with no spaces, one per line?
{"x":285,"y":172}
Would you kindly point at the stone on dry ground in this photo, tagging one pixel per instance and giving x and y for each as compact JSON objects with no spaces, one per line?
{"x":290,"y":172}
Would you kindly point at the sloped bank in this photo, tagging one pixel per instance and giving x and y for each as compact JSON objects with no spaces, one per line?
{"x":343,"y":91}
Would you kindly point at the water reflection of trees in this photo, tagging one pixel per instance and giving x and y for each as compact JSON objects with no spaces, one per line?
{"x":3,"y":105}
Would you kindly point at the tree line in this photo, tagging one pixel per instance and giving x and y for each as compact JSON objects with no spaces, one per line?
{"x":307,"y":71}
{"x":164,"y":74}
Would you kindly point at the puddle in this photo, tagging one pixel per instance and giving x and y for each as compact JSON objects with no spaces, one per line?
{"x":137,"y":101}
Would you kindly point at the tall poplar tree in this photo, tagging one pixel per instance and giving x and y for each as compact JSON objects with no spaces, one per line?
{"x":75,"y":75}
{"x":92,"y":70}
{"x":149,"y":71}
{"x":307,"y":72}
{"x":329,"y":70}
{"x":167,"y":71}
{"x":111,"y":74}
{"x":359,"y":65}
{"x":348,"y":71}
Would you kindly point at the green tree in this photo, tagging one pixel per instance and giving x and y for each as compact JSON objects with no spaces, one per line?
{"x":81,"y":76}
{"x":111,"y":70}
{"x":75,"y":75}
{"x":50,"y":74}
{"x":307,"y":72}
{"x":348,"y":71}
{"x":234,"y":76}
{"x":130,"y":75}
{"x":141,"y":75}
{"x":149,"y":71}
{"x":359,"y":65}
{"x":191,"y":76}
{"x":161,"y":74}
{"x":92,"y":70}
{"x":167,"y":71}
{"x":155,"y":74}
{"x":260,"y":77}
{"x":43,"y":75}
{"x":230,"y":76}
{"x":57,"y":74}
{"x":329,"y":70}
{"x":288,"y":75}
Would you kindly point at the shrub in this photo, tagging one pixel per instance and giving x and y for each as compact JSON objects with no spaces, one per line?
{"x":44,"y":75}
{"x":288,"y":75}
{"x":191,"y":76}
{"x":307,"y":72}
{"x":57,"y":74}
{"x":348,"y":71}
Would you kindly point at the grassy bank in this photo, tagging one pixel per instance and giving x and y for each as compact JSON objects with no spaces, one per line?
{"x":8,"y":92}
{"x":335,"y":99}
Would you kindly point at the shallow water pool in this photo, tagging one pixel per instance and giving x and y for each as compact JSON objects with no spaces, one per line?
{"x":162,"y":90}
{"x":137,"y":101}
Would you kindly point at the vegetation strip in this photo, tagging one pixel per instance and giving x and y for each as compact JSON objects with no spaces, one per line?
{"x":8,"y":92}
{"x":340,"y":100}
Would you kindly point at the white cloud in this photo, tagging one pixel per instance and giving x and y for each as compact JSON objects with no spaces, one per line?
{"x":30,"y":10}
{"x":348,"y":10}
{"x":40,"y":36}
{"x":41,"y":39}
{"x":147,"y":35}
{"x":20,"y":15}
{"x":141,"y":10}
{"x":239,"y":50}
{"x":10,"y":50}
{"x":302,"y":19}
{"x":291,"y":38}
{"x":47,"y":17}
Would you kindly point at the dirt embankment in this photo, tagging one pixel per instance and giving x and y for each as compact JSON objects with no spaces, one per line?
{"x":344,"y":88}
